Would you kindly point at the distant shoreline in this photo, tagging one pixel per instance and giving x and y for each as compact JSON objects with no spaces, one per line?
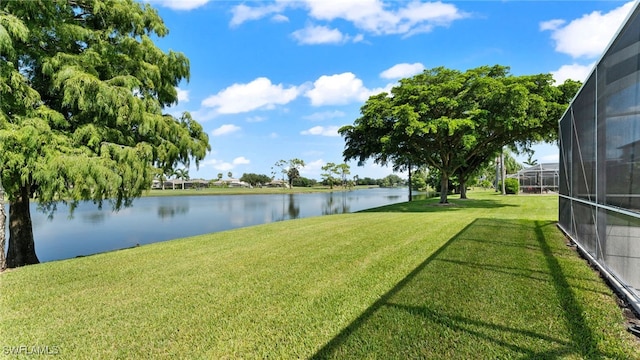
{"x":252,"y":191}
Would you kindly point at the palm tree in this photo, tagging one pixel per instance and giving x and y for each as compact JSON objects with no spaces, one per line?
{"x":230,"y":175}
{"x":182,"y":174}
{"x":163,"y":175}
{"x":531,"y":161}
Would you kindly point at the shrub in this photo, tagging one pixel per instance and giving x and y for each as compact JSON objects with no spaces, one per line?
{"x":511,"y":186}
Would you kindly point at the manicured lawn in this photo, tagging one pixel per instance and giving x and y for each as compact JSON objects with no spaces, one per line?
{"x":484,"y":278}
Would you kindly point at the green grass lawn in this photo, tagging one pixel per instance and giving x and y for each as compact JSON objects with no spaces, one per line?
{"x":484,"y":278}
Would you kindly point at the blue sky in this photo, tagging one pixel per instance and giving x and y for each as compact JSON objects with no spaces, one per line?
{"x":274,"y":80}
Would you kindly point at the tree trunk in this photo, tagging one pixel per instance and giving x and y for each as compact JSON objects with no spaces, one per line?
{"x":444,"y":188}
{"x":503,"y":173}
{"x":410,"y":184}
{"x":497,"y":182}
{"x":3,"y":231}
{"x":22,"y":249}
{"x":463,"y":189}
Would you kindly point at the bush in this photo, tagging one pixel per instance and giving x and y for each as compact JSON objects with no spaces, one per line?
{"x":486,"y":184}
{"x":511,"y":186}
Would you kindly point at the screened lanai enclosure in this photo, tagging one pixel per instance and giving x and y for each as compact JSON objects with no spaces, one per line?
{"x":539,"y":179}
{"x":599,"y":171}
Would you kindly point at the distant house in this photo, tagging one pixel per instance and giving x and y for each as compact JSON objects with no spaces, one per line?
{"x":539,"y":179}
{"x":178,"y":184}
{"x":277,"y":183}
{"x":232,"y":183}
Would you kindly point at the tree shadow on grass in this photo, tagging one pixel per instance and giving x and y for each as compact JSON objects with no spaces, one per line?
{"x":435,"y":311}
{"x":432,"y":205}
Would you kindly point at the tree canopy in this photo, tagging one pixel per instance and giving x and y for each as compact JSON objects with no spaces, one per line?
{"x":455,"y":121}
{"x":290,"y":168}
{"x":255,"y":179}
{"x":83,"y":98}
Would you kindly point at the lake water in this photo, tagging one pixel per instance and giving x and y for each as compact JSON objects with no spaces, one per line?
{"x":154,"y":219}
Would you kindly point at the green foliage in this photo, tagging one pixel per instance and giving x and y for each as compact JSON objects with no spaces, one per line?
{"x":290,"y":168}
{"x":81,"y":112}
{"x":511,"y":186}
{"x":343,"y":170}
{"x":510,"y":163}
{"x":434,"y":178}
{"x":304,"y":182}
{"x":419,"y":179}
{"x":335,"y":174}
{"x":100,"y":130}
{"x":255,"y":179}
{"x":367,"y":181}
{"x":328,"y":175}
{"x":455,"y":121}
{"x":391,"y":180}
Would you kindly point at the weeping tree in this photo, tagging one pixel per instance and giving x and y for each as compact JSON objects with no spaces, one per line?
{"x":83,"y":90}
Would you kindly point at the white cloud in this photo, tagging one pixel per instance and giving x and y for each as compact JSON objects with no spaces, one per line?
{"x":279,"y":18}
{"x":259,"y":93}
{"x":204,"y":114}
{"x":179,"y":4}
{"x":339,"y":89}
{"x":358,"y":38}
{"x":241,"y":160}
{"x":242,"y":13}
{"x":589,"y":35}
{"x":376,"y":17}
{"x":255,"y":119}
{"x":551,"y":24}
{"x":216,"y":164}
{"x":225,"y":130}
{"x":313,"y":35}
{"x":402,"y":71}
{"x":222,"y":165}
{"x":183,"y":95}
{"x":574,"y":72}
{"x":313,"y":167}
{"x":322,"y":131}
{"x":325,"y":115}
{"x":372,"y":16}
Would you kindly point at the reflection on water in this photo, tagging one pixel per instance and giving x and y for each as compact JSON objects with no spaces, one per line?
{"x":293,"y":210}
{"x":290,"y":208}
{"x":152,"y":219}
{"x":165,"y":211}
{"x":336,"y":204}
{"x":94,"y":217}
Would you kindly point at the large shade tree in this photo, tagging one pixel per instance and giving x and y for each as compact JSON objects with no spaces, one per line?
{"x":455,"y":121}
{"x":83,"y":90}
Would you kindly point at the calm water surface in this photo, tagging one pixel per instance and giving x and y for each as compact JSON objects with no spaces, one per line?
{"x":154,"y":219}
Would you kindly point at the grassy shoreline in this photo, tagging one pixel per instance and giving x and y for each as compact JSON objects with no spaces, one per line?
{"x":247,"y":191}
{"x":488,"y":277}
